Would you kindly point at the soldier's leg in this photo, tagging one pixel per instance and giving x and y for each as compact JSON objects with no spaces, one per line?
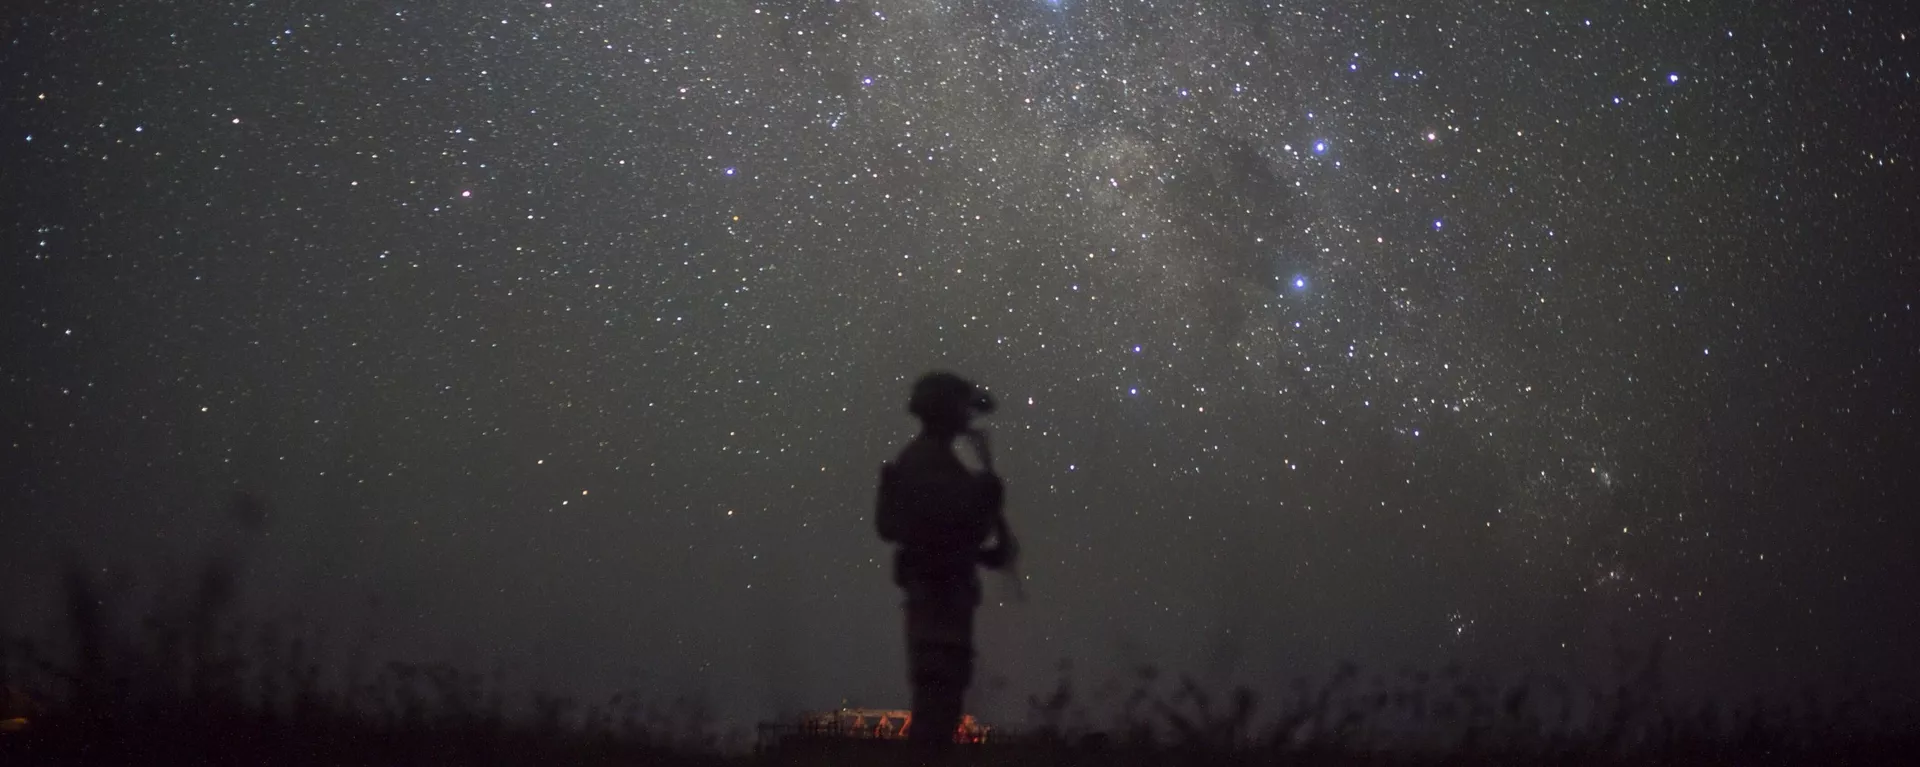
{"x":940,"y":682}
{"x":940,"y":660}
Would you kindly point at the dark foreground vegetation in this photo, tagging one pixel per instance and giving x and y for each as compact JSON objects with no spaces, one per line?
{"x":191,"y":683}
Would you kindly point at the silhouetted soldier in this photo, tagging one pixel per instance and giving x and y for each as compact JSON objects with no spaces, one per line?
{"x":942,"y":514}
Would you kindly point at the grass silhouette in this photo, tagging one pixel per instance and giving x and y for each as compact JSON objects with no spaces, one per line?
{"x":192,"y":682}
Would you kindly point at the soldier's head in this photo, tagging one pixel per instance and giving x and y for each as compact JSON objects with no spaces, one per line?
{"x":945,"y":403}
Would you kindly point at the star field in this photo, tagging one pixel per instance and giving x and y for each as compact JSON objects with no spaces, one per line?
{"x":571,"y":334}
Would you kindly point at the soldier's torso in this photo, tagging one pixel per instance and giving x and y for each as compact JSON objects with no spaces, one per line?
{"x":943,"y":513}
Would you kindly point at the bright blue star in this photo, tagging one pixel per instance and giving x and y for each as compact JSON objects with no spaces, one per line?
{"x":1320,"y":147}
{"x":1673,"y":77}
{"x":1437,"y":223}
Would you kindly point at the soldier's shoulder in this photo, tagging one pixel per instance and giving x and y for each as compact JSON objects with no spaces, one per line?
{"x":917,"y":455}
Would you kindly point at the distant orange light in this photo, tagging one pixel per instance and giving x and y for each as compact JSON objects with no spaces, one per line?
{"x":16,"y":724}
{"x":888,"y":724}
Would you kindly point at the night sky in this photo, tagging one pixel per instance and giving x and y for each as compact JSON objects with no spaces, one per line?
{"x":569,"y":337}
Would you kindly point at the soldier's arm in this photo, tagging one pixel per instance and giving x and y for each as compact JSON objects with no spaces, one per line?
{"x":993,"y":490}
{"x":1005,"y":549}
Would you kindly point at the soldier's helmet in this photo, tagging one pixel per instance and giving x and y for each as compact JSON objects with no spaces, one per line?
{"x":942,"y":397}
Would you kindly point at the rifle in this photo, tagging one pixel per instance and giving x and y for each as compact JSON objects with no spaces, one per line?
{"x":1005,"y":556}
